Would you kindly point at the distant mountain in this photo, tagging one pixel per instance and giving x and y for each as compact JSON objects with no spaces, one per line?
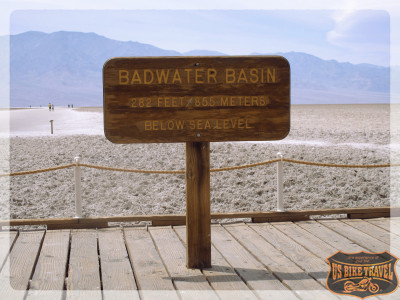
{"x":203,"y":53}
{"x":66,"y":68}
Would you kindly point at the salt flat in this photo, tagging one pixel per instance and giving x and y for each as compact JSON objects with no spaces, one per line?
{"x":66,"y":121}
{"x":338,"y":134}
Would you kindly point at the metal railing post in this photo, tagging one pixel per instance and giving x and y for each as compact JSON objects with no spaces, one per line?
{"x":78,"y":189}
{"x":279,"y":182}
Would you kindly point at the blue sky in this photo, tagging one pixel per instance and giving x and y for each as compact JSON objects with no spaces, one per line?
{"x":356,"y":36}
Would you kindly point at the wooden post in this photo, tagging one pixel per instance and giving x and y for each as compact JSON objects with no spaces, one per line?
{"x":198,"y":218}
{"x":51,"y":121}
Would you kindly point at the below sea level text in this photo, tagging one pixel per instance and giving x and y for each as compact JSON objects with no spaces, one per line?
{"x":201,"y":124}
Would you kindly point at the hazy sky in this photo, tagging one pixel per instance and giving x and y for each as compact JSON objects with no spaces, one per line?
{"x":357,"y":36}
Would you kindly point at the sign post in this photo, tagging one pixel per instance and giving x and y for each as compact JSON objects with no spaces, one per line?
{"x":196,"y":100}
{"x":198,"y":216}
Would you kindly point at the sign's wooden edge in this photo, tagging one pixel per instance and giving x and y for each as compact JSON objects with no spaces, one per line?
{"x":196,"y":57}
{"x":222,"y":57}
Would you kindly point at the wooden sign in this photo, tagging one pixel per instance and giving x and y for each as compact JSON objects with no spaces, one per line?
{"x":196,"y":99}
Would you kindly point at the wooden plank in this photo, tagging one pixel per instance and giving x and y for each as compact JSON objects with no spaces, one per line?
{"x":176,"y":222}
{"x":316,"y":267}
{"x":23,"y":257}
{"x":77,"y":226}
{"x":227,"y":215}
{"x":116,"y":270}
{"x":330,"y":237}
{"x":190,"y":283}
{"x":391,"y":225}
{"x":280,"y":219}
{"x":281,"y":266}
{"x":363,"y":239}
{"x":7,"y":240}
{"x":221,"y":275}
{"x":196,"y":99}
{"x":198,"y":221}
{"x":51,"y":268}
{"x":256,"y":276}
{"x":383,"y":223}
{"x":84,"y":270}
{"x":306,"y":239}
{"x":374,"y":231}
{"x":151,"y":276}
{"x":395,"y":226}
{"x":368,"y":215}
{"x":20,"y":264}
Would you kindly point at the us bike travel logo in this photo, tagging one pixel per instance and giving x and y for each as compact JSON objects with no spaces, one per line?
{"x":362,"y":274}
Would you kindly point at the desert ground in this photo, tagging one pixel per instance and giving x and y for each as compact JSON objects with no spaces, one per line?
{"x":337,"y":134}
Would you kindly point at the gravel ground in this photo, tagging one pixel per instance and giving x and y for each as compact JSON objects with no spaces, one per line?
{"x":339,"y":134}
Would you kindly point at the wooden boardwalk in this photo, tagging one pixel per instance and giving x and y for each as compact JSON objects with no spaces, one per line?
{"x":249,"y":261}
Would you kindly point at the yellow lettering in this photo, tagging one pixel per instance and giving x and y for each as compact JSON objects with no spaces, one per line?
{"x":247,"y":125}
{"x":199,"y":76}
{"x":147,"y":125}
{"x":242,"y":76}
{"x":253,"y":75}
{"x":155,"y":125}
{"x":162,"y":75}
{"x":162,"y":126}
{"x":230,"y":76}
{"x":136,"y":78}
{"x":234,"y":99}
{"x":211,"y":73}
{"x":177,"y":77}
{"x":188,"y":71}
{"x":224,"y":101}
{"x":180,"y":124}
{"x":263,"y":101}
{"x":148,"y":76}
{"x":271,"y":75}
{"x":123,"y":77}
{"x":207,"y":125}
{"x":226,"y":124}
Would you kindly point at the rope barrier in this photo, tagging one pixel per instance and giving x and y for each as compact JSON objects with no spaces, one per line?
{"x":131,"y":170}
{"x":38,"y":171}
{"x":337,"y":165}
{"x":245,"y":166}
{"x":212,"y":170}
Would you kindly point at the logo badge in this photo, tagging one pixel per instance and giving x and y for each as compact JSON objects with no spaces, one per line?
{"x":362,"y":274}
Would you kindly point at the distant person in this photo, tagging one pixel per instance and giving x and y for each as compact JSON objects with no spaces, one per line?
{"x":52,"y":107}
{"x":49,"y":106}
{"x":68,"y":105}
{"x":72,"y":105}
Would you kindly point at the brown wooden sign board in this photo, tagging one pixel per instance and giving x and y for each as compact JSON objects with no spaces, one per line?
{"x":196,"y":99}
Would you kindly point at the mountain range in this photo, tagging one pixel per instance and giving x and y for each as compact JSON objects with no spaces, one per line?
{"x":66,"y":68}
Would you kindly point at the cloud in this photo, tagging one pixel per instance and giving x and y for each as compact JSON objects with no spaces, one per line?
{"x":361,"y":30}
